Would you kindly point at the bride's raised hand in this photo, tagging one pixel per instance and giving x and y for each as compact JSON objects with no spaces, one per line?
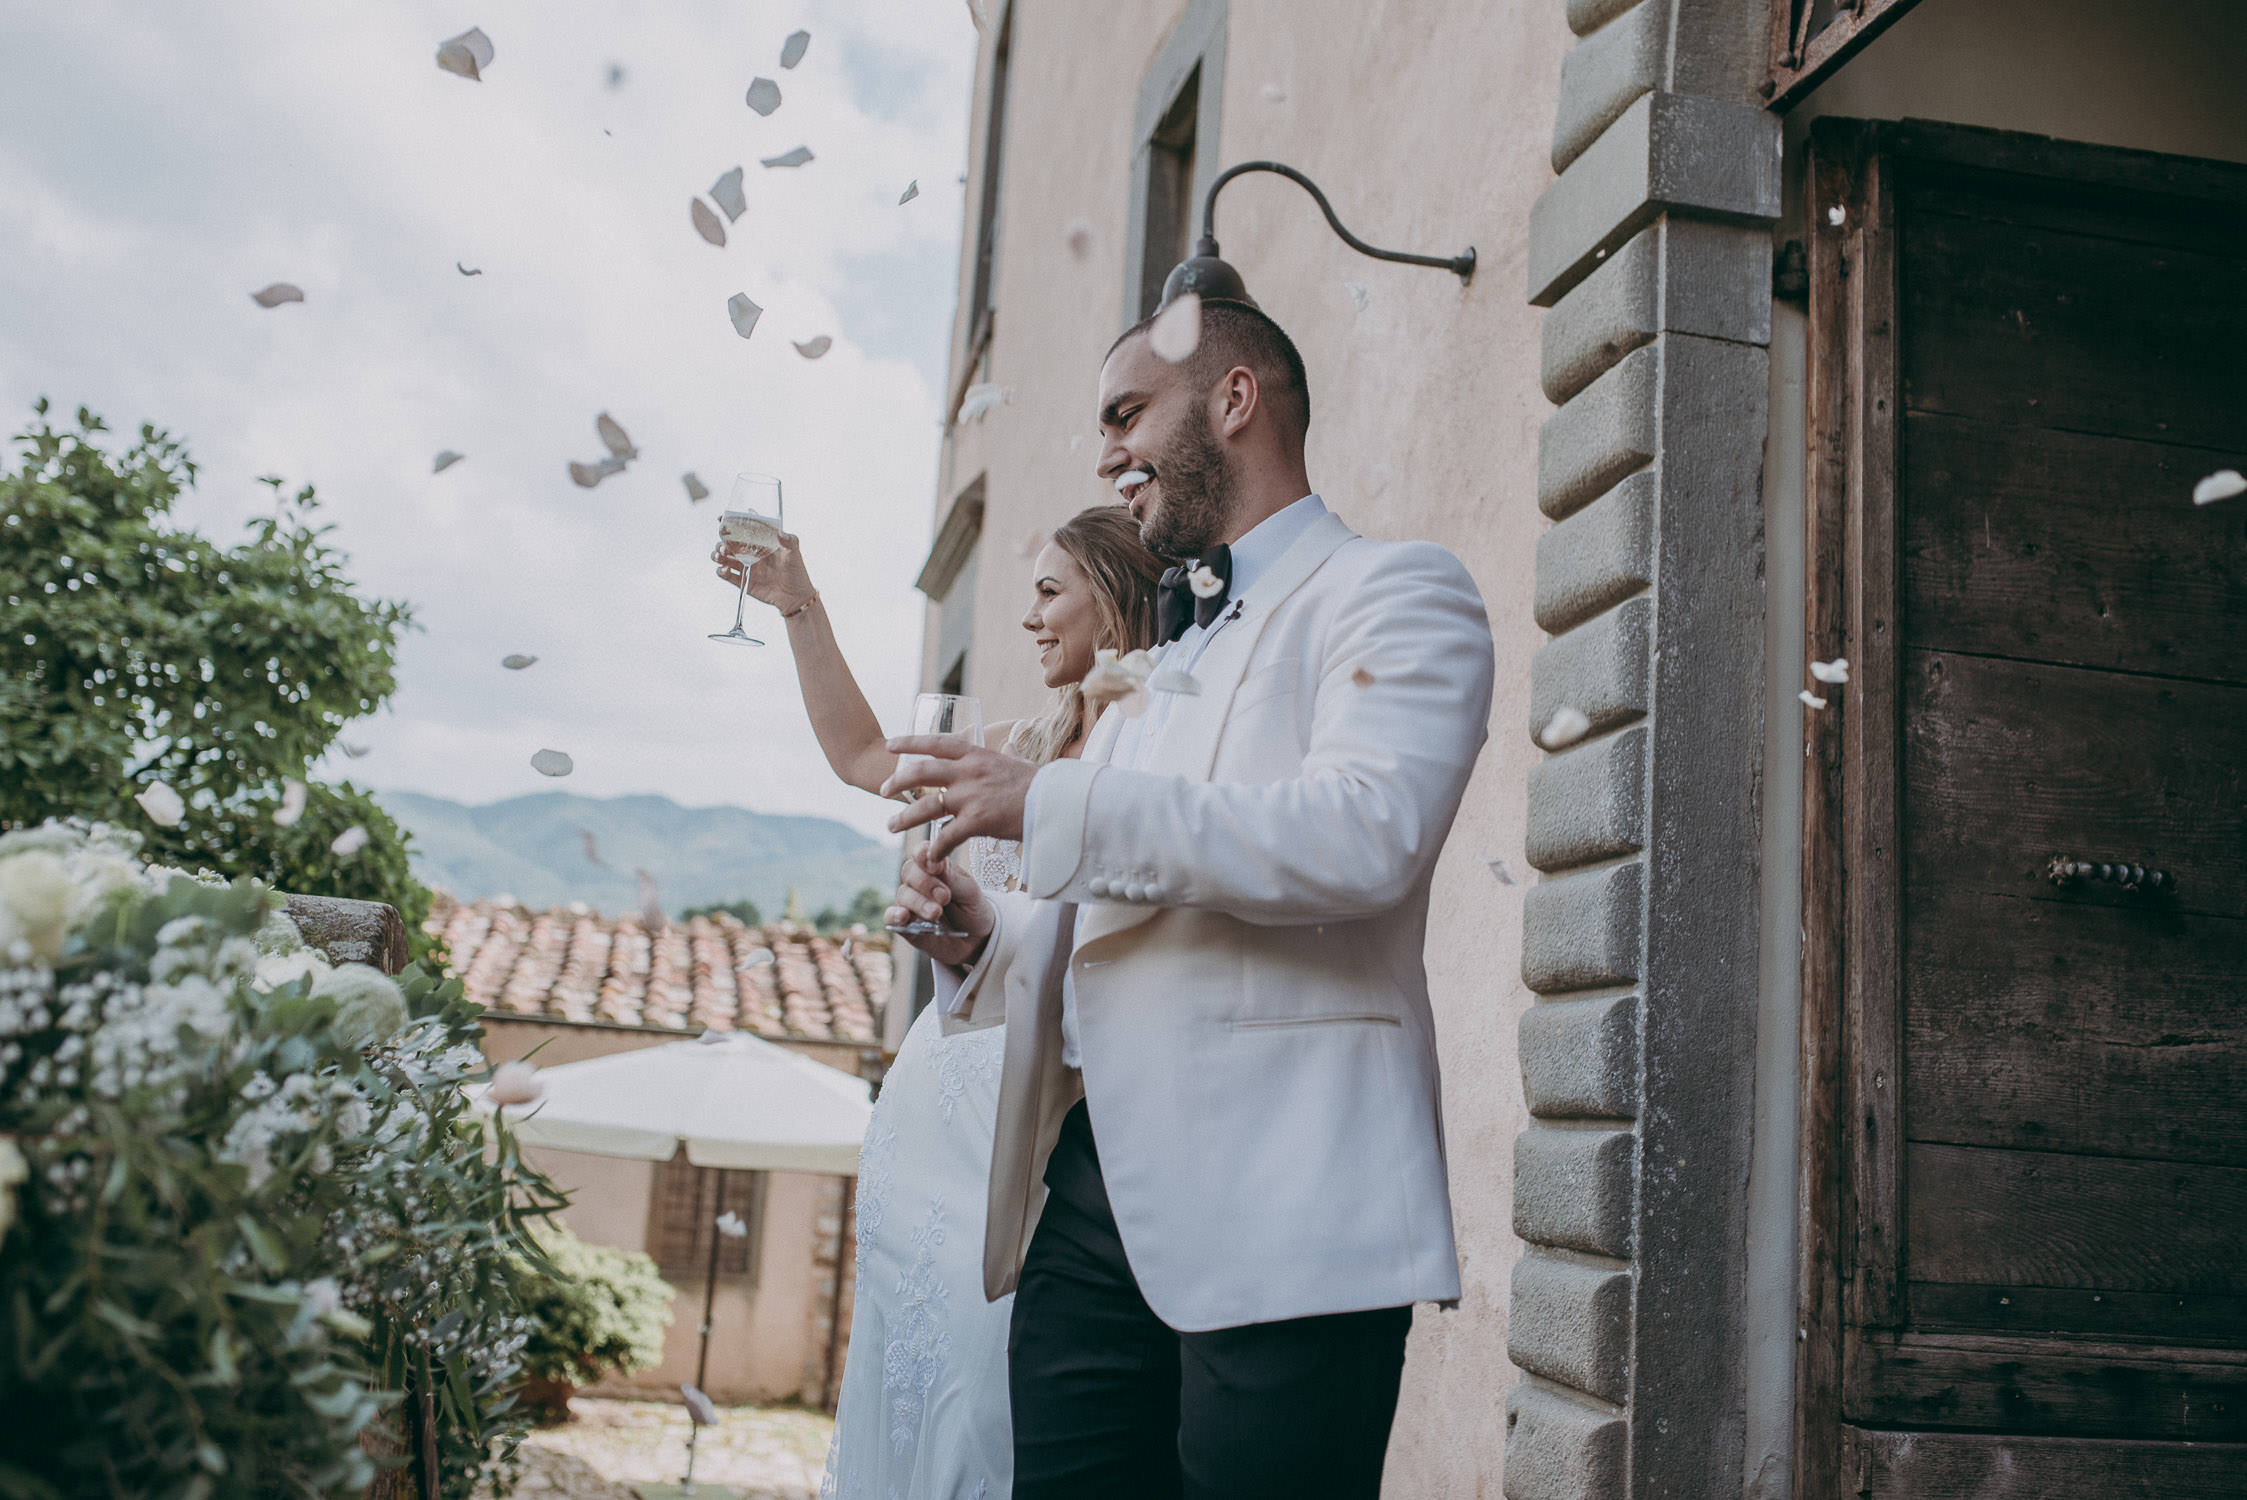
{"x":778,"y":578}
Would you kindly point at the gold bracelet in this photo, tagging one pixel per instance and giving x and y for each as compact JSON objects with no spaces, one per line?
{"x":799,"y":609}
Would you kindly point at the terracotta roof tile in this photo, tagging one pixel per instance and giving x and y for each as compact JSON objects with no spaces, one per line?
{"x":572,"y":964}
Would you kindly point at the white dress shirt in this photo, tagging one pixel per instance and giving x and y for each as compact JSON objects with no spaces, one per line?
{"x":1252,"y":555}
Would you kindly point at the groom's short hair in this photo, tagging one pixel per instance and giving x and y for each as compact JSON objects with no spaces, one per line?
{"x":1235,"y":334}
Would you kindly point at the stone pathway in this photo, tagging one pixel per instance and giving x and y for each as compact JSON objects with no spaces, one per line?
{"x":768,"y":1452}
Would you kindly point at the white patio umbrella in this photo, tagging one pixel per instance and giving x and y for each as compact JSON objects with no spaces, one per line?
{"x":732,"y":1101}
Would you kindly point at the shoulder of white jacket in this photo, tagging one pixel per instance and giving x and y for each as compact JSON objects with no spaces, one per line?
{"x":1364,"y":557}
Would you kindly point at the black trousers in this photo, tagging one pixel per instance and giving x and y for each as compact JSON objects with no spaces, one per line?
{"x":1109,"y":1401}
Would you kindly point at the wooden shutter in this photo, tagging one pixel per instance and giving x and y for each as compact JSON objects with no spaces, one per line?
{"x":683,"y":1218}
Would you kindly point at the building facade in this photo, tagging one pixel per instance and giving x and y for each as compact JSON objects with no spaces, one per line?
{"x":1817,"y":1126}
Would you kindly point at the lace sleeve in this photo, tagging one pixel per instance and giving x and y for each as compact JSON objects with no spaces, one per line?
{"x":996,"y":864}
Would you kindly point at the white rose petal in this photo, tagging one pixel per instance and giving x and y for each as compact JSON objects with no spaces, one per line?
{"x":1836,"y":670}
{"x":813,"y":348}
{"x":1130,"y":477}
{"x":1362,"y":677}
{"x":1177,"y":331}
{"x":744,"y":313}
{"x":706,"y":223}
{"x":515,"y":1083}
{"x":613,"y":436}
{"x":1810,"y":699}
{"x":1273,"y":93}
{"x":349,"y":842}
{"x":1360,"y":294}
{"x":1078,"y":237}
{"x":354,"y":751}
{"x":726,"y":193}
{"x":552,"y":763}
{"x":980,"y":398}
{"x":517,"y":662}
{"x":795,"y":158}
{"x":1205,"y":583}
{"x":652,"y":914}
{"x":764,"y":96}
{"x":1837,"y":216}
{"x":1565,"y":727}
{"x":446,"y":460}
{"x":1498,"y":868}
{"x":699,"y":1409}
{"x":276,"y":294}
{"x":792,"y":50}
{"x":1174,"y":680}
{"x":696,"y":489}
{"x":730,"y":1225}
{"x":912,"y":191}
{"x":592,"y":845}
{"x":616,"y":75}
{"x":467,"y":54}
{"x":292,"y":804}
{"x":162,"y":804}
{"x":2221,"y":485}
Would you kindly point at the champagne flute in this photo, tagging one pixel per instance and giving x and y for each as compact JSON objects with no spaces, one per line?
{"x":749,"y":527}
{"x":939,"y":713}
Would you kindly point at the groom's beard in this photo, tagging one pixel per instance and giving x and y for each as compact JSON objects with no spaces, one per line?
{"x":1194,"y":488}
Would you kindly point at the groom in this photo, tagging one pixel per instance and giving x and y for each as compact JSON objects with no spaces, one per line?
{"x":1218,"y":1183}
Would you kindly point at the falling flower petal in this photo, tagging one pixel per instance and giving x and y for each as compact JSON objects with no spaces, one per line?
{"x":795,"y":158}
{"x":696,"y":489}
{"x":730,"y":1225}
{"x":1811,"y":699}
{"x":1565,"y":727}
{"x":613,"y":436}
{"x":616,"y":75}
{"x":1177,"y":333}
{"x":1273,"y":92}
{"x":292,"y":804}
{"x":1130,"y":477}
{"x":349,"y":842}
{"x":744,"y":313}
{"x":652,"y":915}
{"x":1118,"y":679}
{"x":552,"y":763}
{"x":706,"y":223}
{"x":726,"y":193}
{"x":446,"y":460}
{"x":592,"y":846}
{"x":1362,"y":677}
{"x":1205,"y":583}
{"x":1360,"y":294}
{"x":699,"y":1408}
{"x":1174,"y":680}
{"x":517,"y":663}
{"x":162,"y":804}
{"x":589,"y":475}
{"x":1078,"y":237}
{"x":912,"y":191}
{"x":1498,"y":868}
{"x":813,"y":348}
{"x":467,"y":54}
{"x":758,"y":959}
{"x":1836,"y":670}
{"x":354,"y":751}
{"x":1837,"y":216}
{"x":276,"y":294}
{"x":764,"y":96}
{"x":2221,"y":485}
{"x":463,"y":270}
{"x":980,"y":398}
{"x":792,"y":50}
{"x":515,"y":1083}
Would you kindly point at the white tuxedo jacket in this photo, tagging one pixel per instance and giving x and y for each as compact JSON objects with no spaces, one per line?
{"x":1252,"y":1011}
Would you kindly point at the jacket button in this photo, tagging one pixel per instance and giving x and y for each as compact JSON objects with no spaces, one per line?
{"x":1098,"y":885}
{"x":1135,"y":892}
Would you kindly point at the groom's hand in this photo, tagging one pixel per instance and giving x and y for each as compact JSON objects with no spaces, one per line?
{"x":932,"y":891}
{"x":983,"y":791}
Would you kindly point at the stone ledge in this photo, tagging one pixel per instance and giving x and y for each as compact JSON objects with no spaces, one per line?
{"x":1558,"y":1449}
{"x":1602,"y":75}
{"x":1582,"y":932}
{"x":1572,"y":1324}
{"x":1579,"y":1058}
{"x":1666,"y":153}
{"x":1588,"y":803}
{"x":351,"y":932}
{"x":1587,"y":16}
{"x":1573,"y":1189}
{"x":1605,"y":433}
{"x":1598,"y":557}
{"x":1599,"y":668}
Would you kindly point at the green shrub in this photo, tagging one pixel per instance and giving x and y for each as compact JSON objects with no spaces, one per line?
{"x":592,"y":1308}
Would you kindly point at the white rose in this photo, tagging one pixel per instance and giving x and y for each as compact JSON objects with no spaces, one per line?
{"x":37,"y":903}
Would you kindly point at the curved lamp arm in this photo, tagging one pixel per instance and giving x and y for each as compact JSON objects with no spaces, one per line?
{"x":1462,"y":265}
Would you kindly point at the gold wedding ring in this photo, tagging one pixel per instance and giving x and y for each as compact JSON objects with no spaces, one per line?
{"x":942,"y":810}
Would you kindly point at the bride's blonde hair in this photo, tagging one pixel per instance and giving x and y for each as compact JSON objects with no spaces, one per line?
{"x":1104,"y":542}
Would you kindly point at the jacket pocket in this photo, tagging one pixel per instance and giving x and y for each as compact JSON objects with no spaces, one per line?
{"x":1274,"y":1023}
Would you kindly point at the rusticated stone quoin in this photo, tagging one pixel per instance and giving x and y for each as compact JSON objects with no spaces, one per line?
{"x":351,"y":932}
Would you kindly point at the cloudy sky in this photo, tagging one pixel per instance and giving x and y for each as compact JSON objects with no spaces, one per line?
{"x":162,"y":161}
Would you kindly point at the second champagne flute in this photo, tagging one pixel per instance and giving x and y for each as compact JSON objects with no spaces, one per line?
{"x":940,"y":713}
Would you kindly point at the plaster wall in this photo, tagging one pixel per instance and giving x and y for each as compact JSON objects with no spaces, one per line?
{"x":2109,"y":72}
{"x":1430,"y":128}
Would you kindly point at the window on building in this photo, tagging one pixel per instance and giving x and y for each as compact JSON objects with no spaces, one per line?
{"x":987,"y":216}
{"x":683,"y":1220}
{"x":948,"y":579}
{"x":1169,"y":208}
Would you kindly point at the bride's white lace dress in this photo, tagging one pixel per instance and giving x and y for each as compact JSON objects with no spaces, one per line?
{"x":923,"y":1411}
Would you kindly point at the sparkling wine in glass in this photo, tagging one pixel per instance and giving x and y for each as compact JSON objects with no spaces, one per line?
{"x":940,"y":713}
{"x":749,"y":527}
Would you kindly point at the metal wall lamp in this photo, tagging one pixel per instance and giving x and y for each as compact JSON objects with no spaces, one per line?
{"x":1207,"y":275}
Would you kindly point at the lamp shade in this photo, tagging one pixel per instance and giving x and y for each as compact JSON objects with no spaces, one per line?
{"x":1206,"y":275}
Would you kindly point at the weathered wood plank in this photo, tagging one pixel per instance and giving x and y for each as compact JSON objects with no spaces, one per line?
{"x":2070,"y":548}
{"x":2046,"y":1386}
{"x":2039,"y":1218}
{"x":2009,"y":763}
{"x":2045,"y":1026}
{"x":2212,"y":1318}
{"x":1976,"y":1466}
{"x":2043,"y":328}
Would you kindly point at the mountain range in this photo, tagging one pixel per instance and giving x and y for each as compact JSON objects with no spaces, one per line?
{"x":554,"y":848}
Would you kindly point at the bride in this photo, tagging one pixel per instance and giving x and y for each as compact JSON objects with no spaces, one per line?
{"x":923,"y":1410}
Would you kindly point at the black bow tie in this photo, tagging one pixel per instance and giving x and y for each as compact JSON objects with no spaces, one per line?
{"x":1176,"y":603}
